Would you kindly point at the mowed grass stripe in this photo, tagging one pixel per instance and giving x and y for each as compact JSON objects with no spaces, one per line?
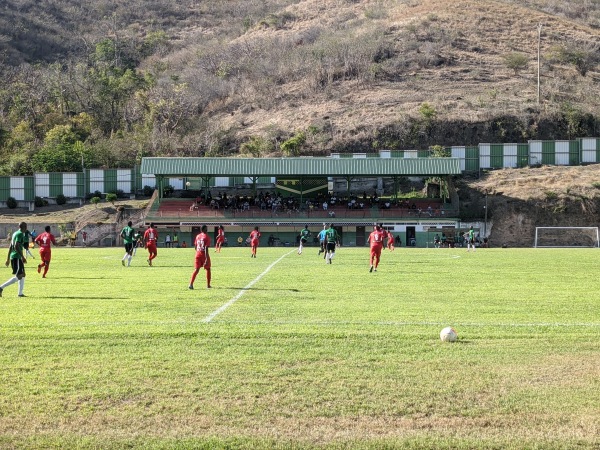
{"x":312,"y":355}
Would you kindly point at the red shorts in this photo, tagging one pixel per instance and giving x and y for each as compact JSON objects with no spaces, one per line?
{"x":254,"y":242}
{"x":376,"y":250}
{"x":220,"y":240}
{"x":202,"y":260}
{"x":45,"y":254}
{"x":151,"y":247}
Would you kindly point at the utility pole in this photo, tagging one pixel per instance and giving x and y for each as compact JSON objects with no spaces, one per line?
{"x":485,"y":221}
{"x":539,"y":28}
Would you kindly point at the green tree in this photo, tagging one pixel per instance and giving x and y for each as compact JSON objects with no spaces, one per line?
{"x":112,"y":198}
{"x":583,"y":55}
{"x":516,"y":61}
{"x":293,"y":145}
{"x":60,"y":152}
{"x":427,"y":111}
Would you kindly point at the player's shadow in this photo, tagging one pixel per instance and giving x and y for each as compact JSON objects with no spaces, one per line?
{"x":82,"y":278}
{"x":258,"y":289}
{"x":63,"y":297}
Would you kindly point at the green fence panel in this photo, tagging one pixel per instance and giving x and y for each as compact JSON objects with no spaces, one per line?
{"x":574,"y":153}
{"x":548,"y":152}
{"x":497,"y":156}
{"x":4,"y":188}
{"x":522,"y":155}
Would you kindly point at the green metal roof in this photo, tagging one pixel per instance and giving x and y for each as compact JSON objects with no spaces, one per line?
{"x":299,"y":166}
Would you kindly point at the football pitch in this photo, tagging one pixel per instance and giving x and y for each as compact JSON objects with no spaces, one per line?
{"x":286,"y":351}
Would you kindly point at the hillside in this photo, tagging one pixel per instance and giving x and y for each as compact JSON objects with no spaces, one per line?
{"x":518,"y":200}
{"x":132,"y":79}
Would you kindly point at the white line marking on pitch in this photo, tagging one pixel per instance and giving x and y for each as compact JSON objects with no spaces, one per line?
{"x":223,"y":307}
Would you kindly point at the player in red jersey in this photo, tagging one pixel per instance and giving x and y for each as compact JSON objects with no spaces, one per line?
{"x":254,"y":239}
{"x":220,"y":239}
{"x":44,"y":241}
{"x":390,"y":241}
{"x":151,"y":239}
{"x":376,"y":239}
{"x":201,"y":244}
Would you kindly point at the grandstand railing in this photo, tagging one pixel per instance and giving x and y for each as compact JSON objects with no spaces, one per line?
{"x":176,"y":210}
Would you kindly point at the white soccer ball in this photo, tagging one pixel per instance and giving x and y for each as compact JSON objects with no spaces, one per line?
{"x":188,"y":184}
{"x":448,"y":334}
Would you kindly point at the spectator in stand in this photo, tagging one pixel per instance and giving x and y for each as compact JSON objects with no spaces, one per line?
{"x":167,"y":240}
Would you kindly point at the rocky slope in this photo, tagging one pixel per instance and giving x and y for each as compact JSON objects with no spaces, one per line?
{"x":518,"y":200}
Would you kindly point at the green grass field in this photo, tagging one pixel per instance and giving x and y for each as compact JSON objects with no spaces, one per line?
{"x":288,"y":352}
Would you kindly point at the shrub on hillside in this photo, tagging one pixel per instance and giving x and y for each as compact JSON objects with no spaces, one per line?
{"x":148,"y":191}
{"x":11,"y":202}
{"x":61,"y":199}
{"x":39,"y":202}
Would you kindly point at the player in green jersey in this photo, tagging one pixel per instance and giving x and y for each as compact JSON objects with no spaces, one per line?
{"x":128,"y":235}
{"x":17,"y":258}
{"x":332,"y":237}
{"x":304,"y":235}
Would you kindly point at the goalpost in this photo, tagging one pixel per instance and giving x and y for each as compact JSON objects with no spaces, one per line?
{"x":573,"y":237}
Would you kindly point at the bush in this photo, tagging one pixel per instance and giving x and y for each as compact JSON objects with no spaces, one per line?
{"x":61,"y":199}
{"x":11,"y":202}
{"x":95,"y":201}
{"x":148,"y":191}
{"x":39,"y":202}
{"x":111,"y":198}
{"x":91,"y":195}
{"x":120,"y":193}
{"x":516,"y":61}
{"x":293,"y":145}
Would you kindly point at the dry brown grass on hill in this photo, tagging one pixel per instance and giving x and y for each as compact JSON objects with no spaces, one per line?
{"x":519,"y":200}
{"x":540,"y":183}
{"x":53,"y":214}
{"x":470,"y":81}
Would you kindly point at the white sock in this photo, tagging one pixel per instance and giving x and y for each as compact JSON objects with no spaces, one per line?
{"x":129,"y":260}
{"x":9,"y":282}
{"x":21,"y":285}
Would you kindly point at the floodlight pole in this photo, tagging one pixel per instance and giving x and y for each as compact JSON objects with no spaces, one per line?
{"x":485,"y":220}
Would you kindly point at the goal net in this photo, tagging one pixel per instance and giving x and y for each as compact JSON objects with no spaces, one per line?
{"x":576,"y":237}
